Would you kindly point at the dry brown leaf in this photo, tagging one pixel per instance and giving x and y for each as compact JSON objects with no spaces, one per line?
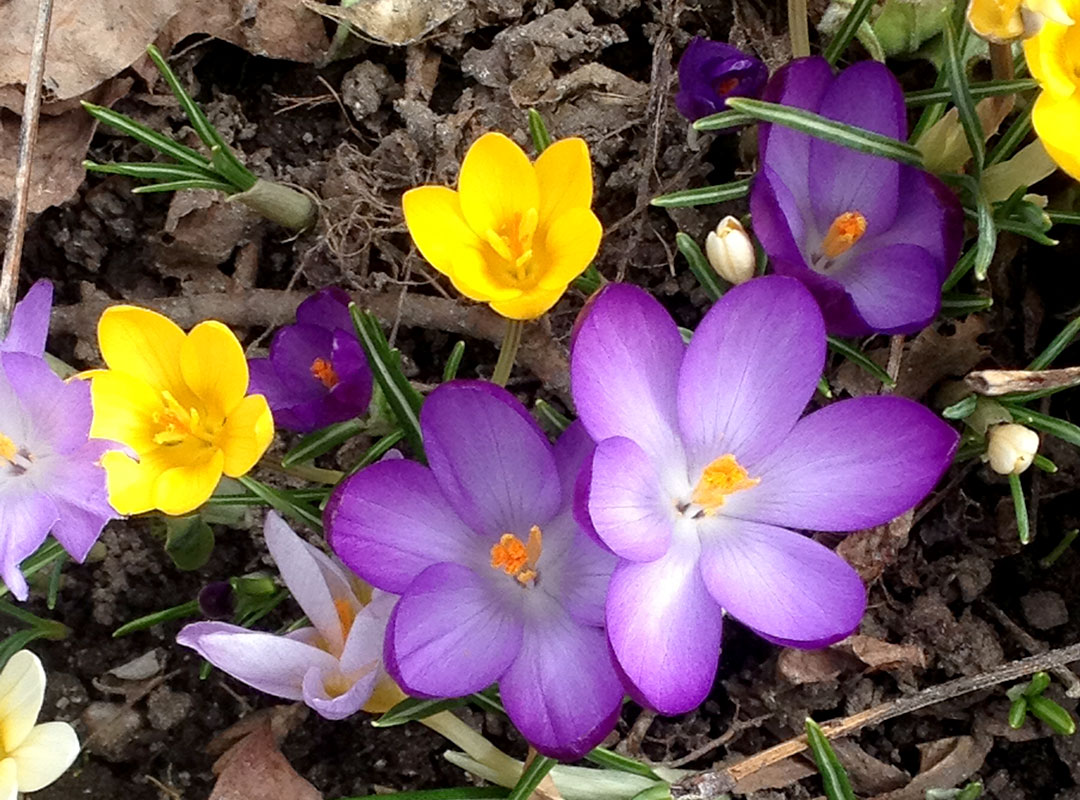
{"x":933,"y":356}
{"x":812,"y":666}
{"x":255,"y":769}
{"x":871,"y":551}
{"x":944,"y":764}
{"x":868,"y":775}
{"x":776,"y":776}
{"x":878,"y":654}
{"x":396,"y":22}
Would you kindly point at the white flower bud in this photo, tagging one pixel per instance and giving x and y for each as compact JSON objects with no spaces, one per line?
{"x":1011,"y":448}
{"x":730,"y":251}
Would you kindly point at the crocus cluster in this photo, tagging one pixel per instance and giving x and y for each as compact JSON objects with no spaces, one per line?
{"x":711,"y":72}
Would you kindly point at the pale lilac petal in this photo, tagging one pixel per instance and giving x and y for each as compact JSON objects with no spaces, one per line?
{"x":25,"y":521}
{"x":895,"y":289}
{"x":30,"y":321}
{"x":783,"y":585}
{"x":851,"y":465}
{"x":562,"y":692}
{"x":572,"y":449}
{"x":629,"y":511}
{"x":664,"y":628}
{"x":752,"y":366}
{"x":60,"y":412}
{"x":272,"y":664}
{"x":451,"y":634}
{"x":493,"y":463}
{"x":624,"y":365}
{"x":390,"y":521}
{"x":340,"y":706}
{"x":364,"y":645}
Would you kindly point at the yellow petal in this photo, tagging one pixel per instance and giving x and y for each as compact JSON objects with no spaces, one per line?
{"x":135,"y":486}
{"x":45,"y":755}
{"x":9,"y":783}
{"x":124,"y":408}
{"x":997,"y":20}
{"x":248,"y":431}
{"x":214,"y":368}
{"x":146,"y":345}
{"x":497,"y":184}
{"x":433,"y":216}
{"x":22,"y":690}
{"x":183,"y":489}
{"x":1048,"y":57}
{"x":483,"y":276}
{"x":530,"y":305}
{"x":1056,"y":121}
{"x":570,"y":244}
{"x":564,"y":175}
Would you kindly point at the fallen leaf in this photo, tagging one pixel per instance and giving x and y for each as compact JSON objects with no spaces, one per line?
{"x":871,"y":551}
{"x":812,"y":666}
{"x":868,"y":775}
{"x":878,"y":654}
{"x":395,"y":22}
{"x":776,"y":776}
{"x":282,"y":719}
{"x":255,"y":769}
{"x":934,"y":355}
{"x":944,"y":764}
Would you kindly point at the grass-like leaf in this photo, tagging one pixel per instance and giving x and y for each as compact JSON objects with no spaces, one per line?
{"x":148,"y":136}
{"x":1023,"y":526}
{"x":322,"y":441}
{"x":453,"y":363}
{"x":283,"y":503}
{"x":176,"y":186}
{"x":1056,"y":346}
{"x":833,"y":776}
{"x":1062,"y":429}
{"x":182,"y":611}
{"x":152,"y":171}
{"x":978,"y":90}
{"x":860,"y":359}
{"x":459,"y":793}
{"x":539,"y":132}
{"x":855,"y":17}
{"x":412,"y":708}
{"x":956,"y":75}
{"x":531,"y":776}
{"x":704,"y":195}
{"x":712,"y":284}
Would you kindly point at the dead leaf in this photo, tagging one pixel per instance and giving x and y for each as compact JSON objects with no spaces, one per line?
{"x":878,"y":654}
{"x":395,"y":22}
{"x":868,"y":775}
{"x":812,"y":666}
{"x":255,"y":769}
{"x":945,"y":763}
{"x":934,"y":355}
{"x":281,"y":719}
{"x":776,"y":776}
{"x":871,"y":551}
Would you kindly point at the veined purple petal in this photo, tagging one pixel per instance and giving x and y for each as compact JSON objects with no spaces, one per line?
{"x":783,"y":585}
{"x":582,"y":579}
{"x":76,"y":484}
{"x":778,"y":221}
{"x":30,"y":321}
{"x":572,"y":449}
{"x":749,"y":372}
{"x":493,"y":463}
{"x":327,"y":308}
{"x":293,"y":352}
{"x":562,"y":692}
{"x":352,"y":395}
{"x":390,"y":521}
{"x":894,"y":289}
{"x":664,"y":629}
{"x":930,"y":216}
{"x":451,"y":634}
{"x":60,"y":413}
{"x":851,"y":465}
{"x":28,"y":516}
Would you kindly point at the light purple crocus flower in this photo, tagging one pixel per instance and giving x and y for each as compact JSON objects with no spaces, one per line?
{"x":871,"y":238}
{"x":335,"y":665}
{"x":30,"y":321}
{"x":703,"y":467}
{"x":711,"y":72}
{"x":498,"y":582}
{"x":316,"y":374}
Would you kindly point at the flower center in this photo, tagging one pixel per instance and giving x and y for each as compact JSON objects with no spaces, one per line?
{"x":175,"y":424}
{"x":721,"y":478}
{"x":845,"y":230}
{"x":513,"y":242}
{"x":726,"y":86}
{"x":516,"y":558}
{"x":323,"y":371}
{"x":17,"y":458}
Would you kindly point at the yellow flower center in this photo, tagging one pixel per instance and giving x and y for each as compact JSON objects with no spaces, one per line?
{"x":175,"y":424}
{"x":8,"y":450}
{"x":721,"y":478}
{"x":516,"y":558}
{"x":323,"y":371}
{"x":17,"y":458}
{"x":844,"y":232}
{"x":513,"y":242}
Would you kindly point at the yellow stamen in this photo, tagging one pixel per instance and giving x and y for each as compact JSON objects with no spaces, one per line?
{"x":323,"y":371}
{"x":175,"y":424}
{"x":721,"y":478}
{"x":845,"y":230}
{"x":517,"y":558}
{"x":8,"y":450}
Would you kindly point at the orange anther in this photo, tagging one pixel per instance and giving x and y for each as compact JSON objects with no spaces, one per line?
{"x":721,"y":478}
{"x":845,"y":230}
{"x":323,"y":371}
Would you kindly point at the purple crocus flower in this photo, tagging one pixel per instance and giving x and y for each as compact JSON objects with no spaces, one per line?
{"x":871,"y":238}
{"x":498,"y":582}
{"x":316,"y":374}
{"x":335,"y":665}
{"x":30,"y":321}
{"x":711,"y":72}
{"x":703,"y":466}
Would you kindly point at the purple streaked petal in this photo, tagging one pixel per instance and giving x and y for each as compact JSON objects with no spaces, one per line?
{"x":76,"y":483}
{"x":894,"y":289}
{"x":60,"y":413}
{"x":352,"y":395}
{"x":777,"y":220}
{"x":664,"y":629}
{"x":930,"y":216}
{"x":783,"y":585}
{"x":583,"y":580}
{"x":328,"y":308}
{"x":293,"y":352}
{"x":705,"y":70}
{"x":852,"y":465}
{"x":25,"y":522}
{"x":30,"y":321}
{"x":263,"y":379}
{"x":390,"y":521}
{"x":750,"y":370}
{"x":272,"y":664}
{"x":451,"y":634}
{"x":562,"y":692}
{"x":493,"y":463}
{"x":624,"y":366}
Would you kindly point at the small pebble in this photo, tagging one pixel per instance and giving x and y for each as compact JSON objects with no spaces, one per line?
{"x":1044,"y":610}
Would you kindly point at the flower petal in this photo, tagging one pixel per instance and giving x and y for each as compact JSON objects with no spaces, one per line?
{"x":750,"y":370}
{"x":496,"y":184}
{"x":785,"y":586}
{"x":272,"y":664}
{"x":327,"y":308}
{"x":248,"y":432}
{"x":851,"y":465}
{"x":9,"y":779}
{"x":28,"y":515}
{"x":390,"y":521}
{"x":433,"y":216}
{"x":22,"y":691}
{"x":451,"y":634}
{"x":569,"y":244}
{"x":45,"y":755}
{"x":895,"y":289}
{"x":334,"y":706}
{"x":124,"y":408}
{"x":564,"y":178}
{"x":664,"y":628}
{"x":1056,"y":119}
{"x":30,"y":321}
{"x":526,"y":305}
{"x":493,"y":463}
{"x":145,"y":345}
{"x":182,"y":489}
{"x":562,"y":692}
{"x":60,"y":412}
{"x":572,"y":449}
{"x":213,"y":365}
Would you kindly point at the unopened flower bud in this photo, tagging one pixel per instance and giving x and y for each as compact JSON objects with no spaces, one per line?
{"x":1011,"y":448}
{"x":730,"y":251}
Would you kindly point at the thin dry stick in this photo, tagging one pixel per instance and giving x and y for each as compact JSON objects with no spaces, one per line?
{"x":716,"y":782}
{"x":799,"y":28}
{"x":1033,"y":645}
{"x":9,"y":273}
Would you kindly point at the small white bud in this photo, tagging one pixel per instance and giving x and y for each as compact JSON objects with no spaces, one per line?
{"x":1011,"y":448}
{"x":730,"y":251}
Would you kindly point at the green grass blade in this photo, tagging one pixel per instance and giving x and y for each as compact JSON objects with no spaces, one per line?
{"x":1011,"y":139}
{"x":704,"y":195}
{"x":539,"y":132}
{"x":612,"y":760}
{"x":151,"y":170}
{"x":860,"y":359}
{"x":959,"y":305}
{"x":956,"y":75}
{"x":1023,"y":526}
{"x":182,"y":611}
{"x":413,"y":708}
{"x":531,"y":777}
{"x":378,"y":450}
{"x":453,"y":363}
{"x":700,"y":266}
{"x":322,"y":441}
{"x":722,"y":121}
{"x":833,"y":776}
{"x":549,"y":417}
{"x":978,"y":90}
{"x":283,"y":503}
{"x":855,"y":17}
{"x":148,"y":136}
{"x":179,"y":186}
{"x":1064,"y":217}
{"x":1066,"y":431}
{"x":962,"y":268}
{"x":1056,"y":346}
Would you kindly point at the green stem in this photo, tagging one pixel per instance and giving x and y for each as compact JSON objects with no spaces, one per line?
{"x":306,"y":472}
{"x":508,"y":352}
{"x":474,"y":745}
{"x":799,"y":27}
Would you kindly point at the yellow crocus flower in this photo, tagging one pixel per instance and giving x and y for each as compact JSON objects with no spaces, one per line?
{"x":1008,"y":20}
{"x":514,"y":234}
{"x":179,"y":402}
{"x":1053,"y":56}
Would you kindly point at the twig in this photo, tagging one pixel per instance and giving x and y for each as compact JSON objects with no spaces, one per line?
{"x":716,"y":782}
{"x":896,"y":356}
{"x":996,"y":382}
{"x":9,"y":274}
{"x":1033,"y":645}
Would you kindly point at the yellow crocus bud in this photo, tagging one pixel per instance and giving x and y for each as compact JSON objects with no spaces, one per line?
{"x":730,"y":251}
{"x":1011,"y":448}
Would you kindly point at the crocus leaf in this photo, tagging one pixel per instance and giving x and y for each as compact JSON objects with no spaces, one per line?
{"x":148,"y":136}
{"x":549,"y":417}
{"x":283,"y":502}
{"x":539,"y":132}
{"x":860,"y":359}
{"x":152,"y":171}
{"x":978,"y":90}
{"x":1011,"y":139}
{"x":855,"y":17}
{"x":531,"y":776}
{"x":612,"y":760}
{"x":1038,"y":684}
{"x":1023,"y":525}
{"x":704,"y":195}
{"x":322,"y":441}
{"x":378,"y":450}
{"x":1056,"y":346}
{"x":182,"y":611}
{"x":961,"y":409}
{"x":714,"y":287}
{"x":413,"y":708}
{"x":833,"y":777}
{"x":963,"y":267}
{"x":450,"y":371}
{"x":178,"y":186}
{"x":1059,"y":720}
{"x":1063,"y":430}
{"x":956,"y":74}
{"x":459,"y":793}
{"x":959,"y":305}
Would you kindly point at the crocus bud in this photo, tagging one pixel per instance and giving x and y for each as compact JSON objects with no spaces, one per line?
{"x":731,"y":252}
{"x":1011,"y":448}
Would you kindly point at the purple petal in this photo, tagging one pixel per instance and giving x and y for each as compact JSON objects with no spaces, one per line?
{"x":783,"y":585}
{"x":664,"y":628}
{"x":562,"y":692}
{"x":493,"y":463}
{"x":580,"y":578}
{"x":293,"y":352}
{"x":76,"y":483}
{"x":624,"y":366}
{"x":573,"y":448}
{"x":328,"y":308}
{"x":30,"y":321}
{"x":352,"y":395}
{"x":710,"y":72}
{"x":389,"y":522}
{"x":451,"y":634}
{"x":25,"y":522}
{"x":894,"y":289}
{"x":263,"y":379}
{"x":60,"y":413}
{"x":778,"y":221}
{"x":750,"y":370}
{"x":851,"y":465}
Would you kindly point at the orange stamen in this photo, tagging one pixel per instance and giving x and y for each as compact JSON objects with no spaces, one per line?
{"x":517,"y":558}
{"x":845,"y":230}
{"x":721,"y":478}
{"x":322,"y":370}
{"x":346,"y":613}
{"x":726,"y":86}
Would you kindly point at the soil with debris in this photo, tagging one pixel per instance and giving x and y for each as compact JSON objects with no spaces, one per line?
{"x":952,"y":591}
